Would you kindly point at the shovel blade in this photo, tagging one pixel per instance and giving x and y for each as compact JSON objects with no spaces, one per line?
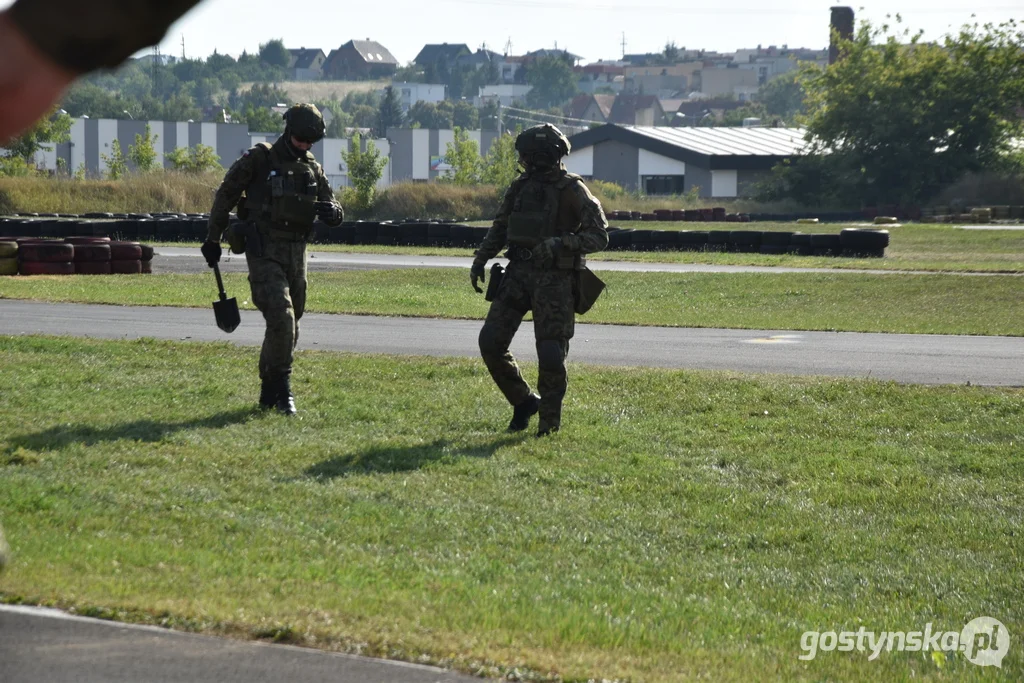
{"x":227,"y":315}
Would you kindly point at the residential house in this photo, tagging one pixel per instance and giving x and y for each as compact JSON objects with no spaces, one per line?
{"x":593,"y":108}
{"x":721,"y":162}
{"x":773,"y":61}
{"x":505,"y":94}
{"x":306,"y":64}
{"x":728,"y":81}
{"x":661,"y":80}
{"x":600,"y":75}
{"x":359,"y":60}
{"x":446,"y":53}
{"x":411,"y":93}
{"x":637,"y":110}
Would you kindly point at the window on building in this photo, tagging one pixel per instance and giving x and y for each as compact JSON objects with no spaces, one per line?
{"x":663,"y":184}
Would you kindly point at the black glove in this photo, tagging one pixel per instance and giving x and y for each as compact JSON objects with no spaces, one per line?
{"x":544,"y":252}
{"x":328,"y":212}
{"x":211,"y":252}
{"x":477,"y":274}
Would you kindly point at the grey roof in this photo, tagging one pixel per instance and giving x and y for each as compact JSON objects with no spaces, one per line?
{"x":302,"y":58}
{"x":730,"y":141}
{"x":722,"y":147}
{"x":373,"y":52}
{"x":434,"y":52}
{"x":537,"y":54}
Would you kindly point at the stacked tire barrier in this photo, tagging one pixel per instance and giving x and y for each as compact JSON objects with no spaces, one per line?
{"x":74,"y":255}
{"x":120,"y":234}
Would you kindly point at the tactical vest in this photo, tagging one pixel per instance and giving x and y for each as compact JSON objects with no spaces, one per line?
{"x":534,"y":216}
{"x":283,"y":195}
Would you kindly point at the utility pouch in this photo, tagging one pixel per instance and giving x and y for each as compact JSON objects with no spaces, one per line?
{"x":236,"y":238}
{"x":587,"y":288}
{"x":497,"y":274}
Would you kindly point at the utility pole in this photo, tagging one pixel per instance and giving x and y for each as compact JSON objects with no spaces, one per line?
{"x":623,"y":44}
{"x":183,"y":47}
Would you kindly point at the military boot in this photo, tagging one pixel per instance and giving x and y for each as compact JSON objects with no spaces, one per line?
{"x":522,"y":413}
{"x":268,"y":395}
{"x":285,"y":401}
{"x":550,"y":419}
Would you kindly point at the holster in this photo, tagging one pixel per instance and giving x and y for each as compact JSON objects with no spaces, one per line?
{"x":587,"y":287}
{"x":244,"y":236}
{"x":497,"y":274}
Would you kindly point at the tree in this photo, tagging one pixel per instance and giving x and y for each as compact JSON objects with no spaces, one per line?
{"x":899,"y":118}
{"x":670,"y":55}
{"x":734,"y":117}
{"x":463,"y":156}
{"x":53,"y":128}
{"x":143,"y":152}
{"x":198,"y":159}
{"x":364,"y":170}
{"x":274,"y":53}
{"x":430,"y":115}
{"x":390,"y":114}
{"x":465,"y":115}
{"x":117,"y":168}
{"x":501,"y":165}
{"x":783,"y":96}
{"x":488,"y":115}
{"x":553,"y":81}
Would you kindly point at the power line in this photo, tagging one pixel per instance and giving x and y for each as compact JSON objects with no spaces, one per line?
{"x":555,"y":116}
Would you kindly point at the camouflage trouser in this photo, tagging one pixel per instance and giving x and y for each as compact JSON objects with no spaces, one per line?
{"x":278,"y":283}
{"x":549,"y":294}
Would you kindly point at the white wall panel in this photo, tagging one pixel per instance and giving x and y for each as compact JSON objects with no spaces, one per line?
{"x":421,"y":154}
{"x":182,"y":131}
{"x":157,"y":131}
{"x":208,"y":134}
{"x":655,"y":164}
{"x":581,"y":162}
{"x":107,"y":135}
{"x":723,"y":183}
{"x":77,"y":145}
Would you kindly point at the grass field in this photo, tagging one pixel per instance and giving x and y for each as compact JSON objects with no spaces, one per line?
{"x":933,"y":304}
{"x":682,"y":525}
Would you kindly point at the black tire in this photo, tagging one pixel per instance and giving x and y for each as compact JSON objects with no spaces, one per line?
{"x":8,"y":249}
{"x":43,"y":252}
{"x":438,"y":234}
{"x":366,"y":232}
{"x":826,"y":241}
{"x":127,"y":267}
{"x":620,"y":239}
{"x":125,"y":251}
{"x":387,"y":234}
{"x":776,"y":239}
{"x":147,"y":253}
{"x":864,"y":239}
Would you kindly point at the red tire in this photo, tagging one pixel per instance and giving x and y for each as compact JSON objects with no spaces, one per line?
{"x":87,"y":240}
{"x":47,"y":268}
{"x":147,"y":252}
{"x":92,"y":253}
{"x":147,"y":267}
{"x":125,"y":251}
{"x":46,"y":252}
{"x":92,"y":267}
{"x":126,"y":267}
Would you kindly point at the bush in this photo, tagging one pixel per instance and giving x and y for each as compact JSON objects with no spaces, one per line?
{"x":429,"y":200}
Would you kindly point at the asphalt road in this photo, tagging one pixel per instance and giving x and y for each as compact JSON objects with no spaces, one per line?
{"x":920,"y":359}
{"x":189,"y":260}
{"x":41,"y":645}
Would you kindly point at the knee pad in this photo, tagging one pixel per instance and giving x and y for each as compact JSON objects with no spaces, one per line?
{"x":550,"y":356}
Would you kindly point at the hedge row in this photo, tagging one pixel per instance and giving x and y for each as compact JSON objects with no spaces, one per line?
{"x":849,"y":242}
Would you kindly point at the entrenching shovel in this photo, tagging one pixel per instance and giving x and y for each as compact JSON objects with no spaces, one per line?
{"x":225,"y":310}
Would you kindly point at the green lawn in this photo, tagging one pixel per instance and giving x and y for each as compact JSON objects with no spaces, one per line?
{"x":682,"y":524}
{"x":925,"y":303}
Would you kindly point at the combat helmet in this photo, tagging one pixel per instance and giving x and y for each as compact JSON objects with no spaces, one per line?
{"x":305,"y":122}
{"x":542,"y":145}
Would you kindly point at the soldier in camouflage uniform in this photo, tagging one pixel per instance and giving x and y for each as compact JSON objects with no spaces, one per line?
{"x":285,"y":190}
{"x":549,"y":220}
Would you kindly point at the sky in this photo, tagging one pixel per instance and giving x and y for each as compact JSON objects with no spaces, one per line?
{"x":591,"y":29}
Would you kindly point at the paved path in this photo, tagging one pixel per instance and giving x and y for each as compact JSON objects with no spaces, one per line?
{"x":42,"y":645}
{"x":185,"y":259}
{"x":922,"y":359}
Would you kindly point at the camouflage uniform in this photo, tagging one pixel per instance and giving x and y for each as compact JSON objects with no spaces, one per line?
{"x":83,"y":36}
{"x":277,"y":277}
{"x":545,"y":289}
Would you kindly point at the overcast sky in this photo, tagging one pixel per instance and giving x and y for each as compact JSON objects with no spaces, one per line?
{"x":592,"y":29}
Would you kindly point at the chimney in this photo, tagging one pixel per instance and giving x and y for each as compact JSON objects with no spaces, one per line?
{"x":842,"y":24}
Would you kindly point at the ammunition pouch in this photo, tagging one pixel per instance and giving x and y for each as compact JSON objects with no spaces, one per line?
{"x":243,"y":237}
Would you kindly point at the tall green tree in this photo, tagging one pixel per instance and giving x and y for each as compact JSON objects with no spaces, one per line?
{"x":365,"y":168}
{"x":899,"y":118}
{"x":117,"y":167}
{"x":274,"y":53}
{"x":143,"y":152}
{"x":54,"y":128}
{"x":465,"y":115}
{"x":553,"y":81}
{"x":463,"y":155}
{"x":501,"y":165}
{"x":389,"y":114}
{"x":783,"y":96}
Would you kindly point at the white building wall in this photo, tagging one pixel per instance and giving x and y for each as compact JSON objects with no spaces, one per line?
{"x":655,"y":164}
{"x":208,"y":134}
{"x":385,"y":151}
{"x":107,"y":135}
{"x":581,"y":162}
{"x":77,"y":157}
{"x":723,"y":183}
{"x":421,"y":154}
{"x":182,"y":132}
{"x":157,"y":130}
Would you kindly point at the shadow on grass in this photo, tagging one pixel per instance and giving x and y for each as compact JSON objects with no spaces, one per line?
{"x":147,"y":431}
{"x":390,"y":459}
